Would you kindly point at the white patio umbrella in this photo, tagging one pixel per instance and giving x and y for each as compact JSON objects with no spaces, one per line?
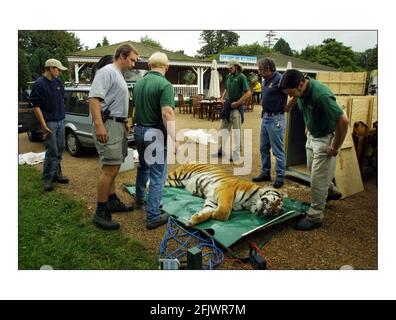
{"x":214,"y":84}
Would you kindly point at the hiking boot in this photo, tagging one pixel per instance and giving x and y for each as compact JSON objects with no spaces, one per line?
{"x":333,"y":195}
{"x":306,"y":224}
{"x":262,"y":177}
{"x":61,"y":179}
{"x":104,"y":221}
{"x":48,"y":185}
{"x":116,"y":205}
{"x":163,"y":218}
{"x":277,"y":184}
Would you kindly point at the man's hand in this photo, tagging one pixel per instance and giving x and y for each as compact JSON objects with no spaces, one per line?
{"x":235,"y":105}
{"x":331,"y":152}
{"x":46,"y":131}
{"x":101,"y":133}
{"x":127,"y":127}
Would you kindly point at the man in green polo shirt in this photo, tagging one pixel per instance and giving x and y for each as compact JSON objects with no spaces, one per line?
{"x":238,"y":91}
{"x":154,"y":119}
{"x":327,"y":127}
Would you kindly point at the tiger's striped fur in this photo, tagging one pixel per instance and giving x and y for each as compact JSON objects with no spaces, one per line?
{"x":223,"y":193}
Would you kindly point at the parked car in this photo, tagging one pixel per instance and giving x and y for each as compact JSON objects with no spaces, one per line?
{"x":78,"y":122}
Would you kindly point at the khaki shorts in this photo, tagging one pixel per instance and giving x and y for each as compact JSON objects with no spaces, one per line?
{"x":115,"y":150}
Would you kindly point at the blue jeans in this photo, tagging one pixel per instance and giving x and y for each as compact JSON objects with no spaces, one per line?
{"x":272,"y":137}
{"x":54,"y":147}
{"x":149,"y":168}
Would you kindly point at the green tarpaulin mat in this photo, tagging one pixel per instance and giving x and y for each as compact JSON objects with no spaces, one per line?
{"x":182,"y":204}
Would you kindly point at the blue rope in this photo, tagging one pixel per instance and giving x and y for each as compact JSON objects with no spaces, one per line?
{"x":212,"y":256}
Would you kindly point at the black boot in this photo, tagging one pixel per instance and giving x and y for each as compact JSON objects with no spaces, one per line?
{"x":116,"y":205}
{"x":61,"y":179}
{"x":104,"y":221}
{"x":262,"y":177}
{"x":48,"y":185}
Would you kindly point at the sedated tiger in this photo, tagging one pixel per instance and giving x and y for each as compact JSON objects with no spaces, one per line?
{"x":223,"y":193}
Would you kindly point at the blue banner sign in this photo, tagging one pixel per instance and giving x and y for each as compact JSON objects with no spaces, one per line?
{"x":244,"y":59}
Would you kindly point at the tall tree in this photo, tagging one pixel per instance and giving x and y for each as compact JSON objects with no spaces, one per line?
{"x":24,"y":74}
{"x":215,"y":41}
{"x":270,"y":39}
{"x":37,"y":61}
{"x":150,"y":42}
{"x":98,"y":45}
{"x":309,"y":53}
{"x":283,"y":47}
{"x":105,"y":42}
{"x":47,"y":44}
{"x":335,"y":54}
{"x":372,"y":62}
{"x":254,"y":49}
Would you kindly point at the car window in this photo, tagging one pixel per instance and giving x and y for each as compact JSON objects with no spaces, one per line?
{"x":77,"y":103}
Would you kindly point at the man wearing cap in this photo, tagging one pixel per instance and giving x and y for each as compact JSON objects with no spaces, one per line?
{"x":273,"y":123}
{"x":109,"y":102}
{"x":238,"y":91}
{"x":327,"y":127}
{"x":47,"y":99}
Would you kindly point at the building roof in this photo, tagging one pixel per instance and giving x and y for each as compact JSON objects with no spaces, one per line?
{"x":281,"y":61}
{"x":144,"y":50}
{"x":178,"y":59}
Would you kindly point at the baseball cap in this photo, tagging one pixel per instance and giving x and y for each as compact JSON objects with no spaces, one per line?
{"x":54,"y":63}
{"x":232,"y":63}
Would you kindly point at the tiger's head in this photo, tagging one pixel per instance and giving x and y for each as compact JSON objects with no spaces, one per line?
{"x":269,"y":202}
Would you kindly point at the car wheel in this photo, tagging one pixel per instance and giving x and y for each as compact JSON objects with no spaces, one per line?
{"x":35,"y":136}
{"x":73,"y":145}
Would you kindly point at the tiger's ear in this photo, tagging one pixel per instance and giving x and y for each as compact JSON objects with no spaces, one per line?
{"x":283,"y":195}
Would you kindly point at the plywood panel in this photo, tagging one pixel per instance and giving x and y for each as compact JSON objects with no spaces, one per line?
{"x":361,"y":110}
{"x":351,"y":83}
{"x":374,"y":113}
{"x":347,"y":176}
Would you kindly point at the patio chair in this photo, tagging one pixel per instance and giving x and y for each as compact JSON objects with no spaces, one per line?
{"x":197,"y":107}
{"x":183,"y":108}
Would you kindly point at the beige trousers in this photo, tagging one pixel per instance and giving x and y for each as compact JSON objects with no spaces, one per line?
{"x":225,"y":127}
{"x":322,"y":169}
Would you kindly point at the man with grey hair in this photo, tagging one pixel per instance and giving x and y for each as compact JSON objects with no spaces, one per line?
{"x":238,"y":91}
{"x":109,"y":102}
{"x":154,"y":119}
{"x":273,"y":123}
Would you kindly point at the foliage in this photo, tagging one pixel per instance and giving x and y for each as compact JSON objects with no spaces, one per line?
{"x":334,"y":54}
{"x":216,"y":41}
{"x":56,"y":230}
{"x":105,"y":42}
{"x":283,"y":47}
{"x":254,"y":49}
{"x":271,"y":39}
{"x":150,"y":42}
{"x":50,"y":44}
{"x":189,"y":77}
{"x":24,"y":74}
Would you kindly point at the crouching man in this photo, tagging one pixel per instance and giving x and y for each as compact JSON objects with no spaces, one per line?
{"x":327,"y":127}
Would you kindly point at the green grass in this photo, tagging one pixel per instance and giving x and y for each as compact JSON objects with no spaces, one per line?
{"x":55,"y":230}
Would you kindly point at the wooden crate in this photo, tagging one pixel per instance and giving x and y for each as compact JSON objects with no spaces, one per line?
{"x":362,"y":110}
{"x":374,"y":113}
{"x":348,"y":83}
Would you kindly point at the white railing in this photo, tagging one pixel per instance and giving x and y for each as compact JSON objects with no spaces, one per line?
{"x":185,"y":90}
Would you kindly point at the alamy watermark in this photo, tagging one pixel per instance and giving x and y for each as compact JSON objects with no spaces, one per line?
{"x":203,"y":152}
